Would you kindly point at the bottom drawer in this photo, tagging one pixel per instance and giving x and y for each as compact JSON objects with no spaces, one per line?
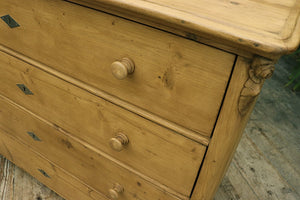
{"x":45,"y":171}
{"x":93,"y":167}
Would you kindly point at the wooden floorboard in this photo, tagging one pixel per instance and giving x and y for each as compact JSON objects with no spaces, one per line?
{"x":266,"y":165}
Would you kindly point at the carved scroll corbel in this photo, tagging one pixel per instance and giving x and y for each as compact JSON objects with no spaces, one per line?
{"x":260,"y":70}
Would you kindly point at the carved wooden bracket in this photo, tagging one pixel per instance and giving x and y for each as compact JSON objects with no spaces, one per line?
{"x":260,"y":70}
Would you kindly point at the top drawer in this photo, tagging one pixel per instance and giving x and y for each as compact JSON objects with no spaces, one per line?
{"x":175,"y":78}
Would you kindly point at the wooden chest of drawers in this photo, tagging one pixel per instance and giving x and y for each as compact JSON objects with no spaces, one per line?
{"x":134,"y":99}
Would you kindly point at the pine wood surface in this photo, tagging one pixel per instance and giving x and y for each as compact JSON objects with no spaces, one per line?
{"x":88,"y":164}
{"x":159,"y":78}
{"x":265,"y":166}
{"x":151,"y":149}
{"x":114,"y":100}
{"x":226,"y":135}
{"x":83,"y":43}
{"x":261,"y":27}
{"x":44,"y":170}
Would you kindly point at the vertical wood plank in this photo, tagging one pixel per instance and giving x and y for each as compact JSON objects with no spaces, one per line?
{"x":6,"y":178}
{"x":277,"y":155}
{"x":261,"y":175}
{"x":226,"y":135}
{"x":234,"y":185}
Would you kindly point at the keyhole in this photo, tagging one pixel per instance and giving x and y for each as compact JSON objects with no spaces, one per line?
{"x":36,"y":138}
{"x":44,"y":173}
{"x":9,"y":20}
{"x":24,"y":89}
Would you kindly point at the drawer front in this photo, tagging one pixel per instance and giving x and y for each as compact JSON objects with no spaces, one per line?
{"x":90,"y":167}
{"x":75,"y":157}
{"x":153,"y":150}
{"x":45,"y":171}
{"x":174,"y":78}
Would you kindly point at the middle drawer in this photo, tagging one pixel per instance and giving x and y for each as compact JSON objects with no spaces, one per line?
{"x":153,"y":150}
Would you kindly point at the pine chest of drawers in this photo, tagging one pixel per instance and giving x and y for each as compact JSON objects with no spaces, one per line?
{"x":145,"y":100}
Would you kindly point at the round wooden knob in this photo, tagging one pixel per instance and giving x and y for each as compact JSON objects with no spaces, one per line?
{"x":119,"y":142}
{"x":121,"y":69}
{"x":116,"y":191}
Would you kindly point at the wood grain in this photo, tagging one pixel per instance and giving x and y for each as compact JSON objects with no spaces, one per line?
{"x":267,"y":28}
{"x":278,"y":149}
{"x":252,"y":161}
{"x":16,"y":184}
{"x":226,"y":135}
{"x":234,"y":186}
{"x":268,"y":147}
{"x":154,"y":118}
{"x":177,"y":83}
{"x":252,"y":175}
{"x":59,"y":180}
{"x":89,"y":165}
{"x":260,"y":70}
{"x":83,"y":43}
{"x":6,"y":169}
{"x":152,"y":149}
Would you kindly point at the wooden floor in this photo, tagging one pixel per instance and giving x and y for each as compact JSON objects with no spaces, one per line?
{"x":265,"y":166}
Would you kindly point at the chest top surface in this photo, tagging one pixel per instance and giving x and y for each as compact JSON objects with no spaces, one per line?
{"x":268,"y":27}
